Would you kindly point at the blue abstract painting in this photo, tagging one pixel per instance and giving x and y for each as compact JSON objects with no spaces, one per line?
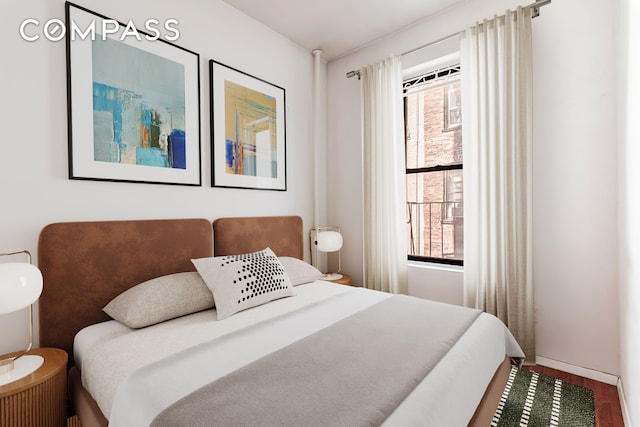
{"x":138,"y":107}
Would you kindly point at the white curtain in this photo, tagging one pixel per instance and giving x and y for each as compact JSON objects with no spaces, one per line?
{"x":385,"y":228}
{"x":495,"y":59}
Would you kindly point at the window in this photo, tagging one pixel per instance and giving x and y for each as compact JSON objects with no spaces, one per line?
{"x":453,"y":107}
{"x":433,"y":148}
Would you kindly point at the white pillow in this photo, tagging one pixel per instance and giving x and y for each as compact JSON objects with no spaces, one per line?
{"x":243,"y":281}
{"x":299,"y":272}
{"x":160,"y":299}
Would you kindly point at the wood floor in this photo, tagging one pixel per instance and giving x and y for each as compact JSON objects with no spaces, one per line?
{"x":607,"y":404}
{"x":605,"y":396}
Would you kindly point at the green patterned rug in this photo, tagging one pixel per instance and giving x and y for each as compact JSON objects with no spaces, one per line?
{"x":534,"y":400}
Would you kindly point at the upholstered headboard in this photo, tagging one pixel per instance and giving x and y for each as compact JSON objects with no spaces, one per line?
{"x":86,"y":264}
{"x":283,"y":234}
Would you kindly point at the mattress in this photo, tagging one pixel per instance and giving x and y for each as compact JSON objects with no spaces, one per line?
{"x":113,"y":357}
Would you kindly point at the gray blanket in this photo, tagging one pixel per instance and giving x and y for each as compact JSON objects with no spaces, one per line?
{"x":353,"y":373}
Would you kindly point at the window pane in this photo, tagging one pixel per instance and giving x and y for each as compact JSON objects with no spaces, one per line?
{"x":435,"y":214}
{"x":454,"y":106}
{"x":433,"y":118}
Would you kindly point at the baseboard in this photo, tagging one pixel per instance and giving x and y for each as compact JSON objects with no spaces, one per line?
{"x":626,"y":417}
{"x":578,"y":370}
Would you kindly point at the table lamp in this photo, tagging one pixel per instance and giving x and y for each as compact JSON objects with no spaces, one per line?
{"x":20,"y":287}
{"x":328,"y":239}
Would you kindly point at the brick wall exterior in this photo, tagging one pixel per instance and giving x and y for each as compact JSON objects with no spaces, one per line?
{"x":431,"y":143}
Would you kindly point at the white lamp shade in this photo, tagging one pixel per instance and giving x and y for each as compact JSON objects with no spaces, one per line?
{"x":329,"y":241}
{"x":20,"y":286}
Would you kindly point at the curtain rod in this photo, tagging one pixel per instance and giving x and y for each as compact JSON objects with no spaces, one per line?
{"x":536,"y":12}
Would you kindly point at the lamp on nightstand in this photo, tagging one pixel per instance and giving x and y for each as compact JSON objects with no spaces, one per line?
{"x":328,"y":239}
{"x":20,"y":287}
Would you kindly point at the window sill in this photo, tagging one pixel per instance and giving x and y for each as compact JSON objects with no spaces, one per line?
{"x":452,"y":129}
{"x":435,"y":266}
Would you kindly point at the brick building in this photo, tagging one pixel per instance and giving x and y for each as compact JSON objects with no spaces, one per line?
{"x":434,"y":197}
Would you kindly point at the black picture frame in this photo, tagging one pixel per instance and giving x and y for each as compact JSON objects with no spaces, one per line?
{"x":248,"y":130}
{"x":133,"y":104}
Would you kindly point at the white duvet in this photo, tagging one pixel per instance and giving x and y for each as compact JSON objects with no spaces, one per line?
{"x":134,"y":374}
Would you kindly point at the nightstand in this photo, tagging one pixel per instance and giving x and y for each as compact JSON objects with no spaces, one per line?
{"x":345,"y":280}
{"x":40,"y":398}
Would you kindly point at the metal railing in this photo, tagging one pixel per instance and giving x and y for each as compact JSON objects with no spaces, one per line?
{"x":435,"y":229}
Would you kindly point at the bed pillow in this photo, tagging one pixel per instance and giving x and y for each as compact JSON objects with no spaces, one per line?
{"x":160,"y":299}
{"x":299,"y":271}
{"x":243,"y":281}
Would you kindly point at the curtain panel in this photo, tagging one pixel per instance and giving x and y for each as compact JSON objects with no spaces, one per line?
{"x":385,"y":233}
{"x":496,"y":63}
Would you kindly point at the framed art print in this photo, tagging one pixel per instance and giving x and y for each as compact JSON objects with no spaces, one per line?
{"x":133,"y":102}
{"x":248,"y":134}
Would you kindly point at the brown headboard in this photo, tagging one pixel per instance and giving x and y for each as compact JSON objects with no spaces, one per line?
{"x":86,"y":264}
{"x":283,"y":234}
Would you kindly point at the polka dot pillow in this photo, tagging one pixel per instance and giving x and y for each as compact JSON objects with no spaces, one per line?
{"x":243,"y":281}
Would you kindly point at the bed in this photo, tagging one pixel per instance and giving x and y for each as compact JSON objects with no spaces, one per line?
{"x":310,"y":355}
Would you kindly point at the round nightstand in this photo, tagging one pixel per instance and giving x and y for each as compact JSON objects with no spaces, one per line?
{"x":40,"y":398}
{"x":345,"y":280}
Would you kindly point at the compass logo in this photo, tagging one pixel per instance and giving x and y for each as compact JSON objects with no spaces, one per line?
{"x":55,"y":30}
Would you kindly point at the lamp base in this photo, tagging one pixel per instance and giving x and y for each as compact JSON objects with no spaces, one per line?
{"x":332,"y":276}
{"x":22,"y":367}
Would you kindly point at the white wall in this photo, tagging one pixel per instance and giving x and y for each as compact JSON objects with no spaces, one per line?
{"x":35,"y":190}
{"x":575,"y":181}
{"x":629,"y":157}
{"x":575,"y":214}
{"x":445,"y":282}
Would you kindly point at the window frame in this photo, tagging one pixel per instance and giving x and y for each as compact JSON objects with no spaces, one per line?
{"x":406,"y":86}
